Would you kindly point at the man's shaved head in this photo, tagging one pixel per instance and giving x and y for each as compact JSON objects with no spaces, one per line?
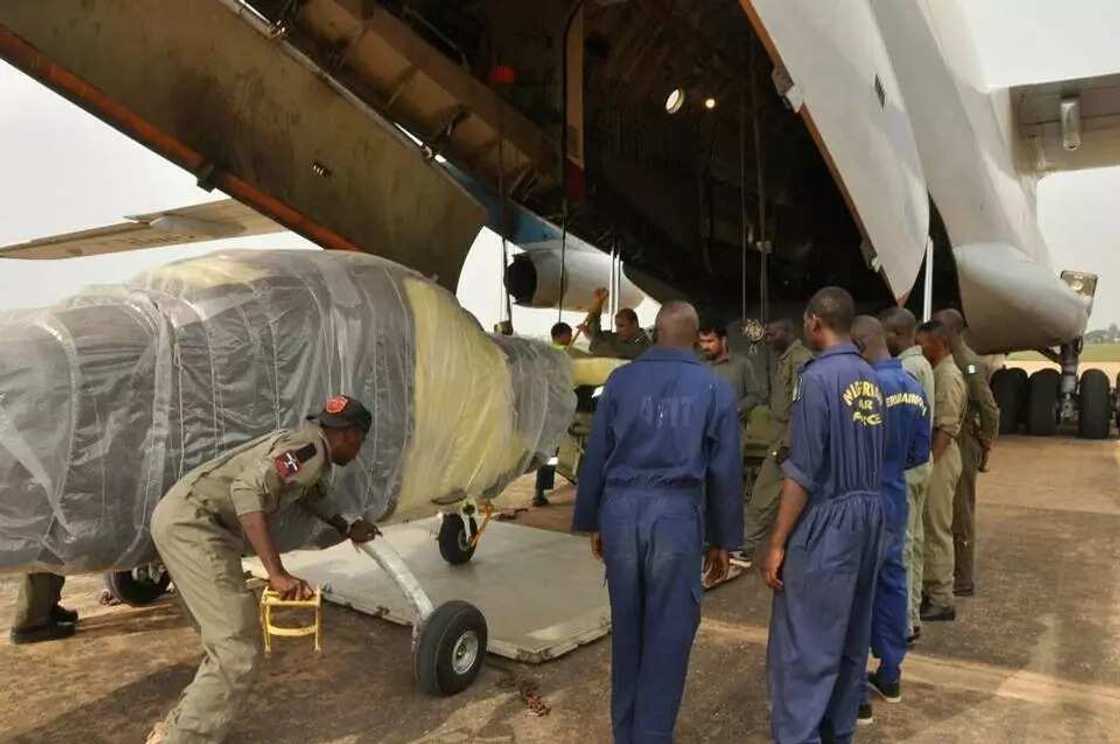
{"x":898,"y":319}
{"x":678,"y":325}
{"x":952,"y":320}
{"x":899,"y":326}
{"x":780,"y":334}
{"x":867,"y":335}
{"x":934,"y":339}
{"x":835,"y":308}
{"x":828,"y":318}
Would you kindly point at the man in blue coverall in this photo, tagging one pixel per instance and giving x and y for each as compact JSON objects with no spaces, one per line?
{"x":662,"y":470}
{"x":825,"y":547}
{"x":907,"y":446}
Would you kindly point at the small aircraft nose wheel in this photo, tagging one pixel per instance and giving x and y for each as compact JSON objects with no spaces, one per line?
{"x":455,"y":544}
{"x":451,"y":648}
{"x":139,"y":586}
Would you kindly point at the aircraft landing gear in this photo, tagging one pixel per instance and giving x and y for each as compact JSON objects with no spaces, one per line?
{"x":1009,"y":387}
{"x":1094,"y":418}
{"x":449,"y":642}
{"x":1043,"y":409}
{"x":459,"y":533}
{"x":1054,"y":397}
{"x":139,"y":586}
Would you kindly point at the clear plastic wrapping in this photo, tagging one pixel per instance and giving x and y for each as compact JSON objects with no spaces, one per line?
{"x":109,"y":397}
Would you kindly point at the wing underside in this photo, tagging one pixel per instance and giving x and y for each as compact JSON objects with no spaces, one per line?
{"x":214,"y":220}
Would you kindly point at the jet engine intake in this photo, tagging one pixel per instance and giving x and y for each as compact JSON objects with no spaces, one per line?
{"x":533,"y":279}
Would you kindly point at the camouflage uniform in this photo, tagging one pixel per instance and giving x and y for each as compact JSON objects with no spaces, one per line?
{"x":763,"y":507}
{"x":610,"y":344}
{"x":981,"y":426}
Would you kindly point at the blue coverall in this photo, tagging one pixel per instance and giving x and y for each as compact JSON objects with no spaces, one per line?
{"x":662,"y":469}
{"x":820,"y":624}
{"x":907,"y":446}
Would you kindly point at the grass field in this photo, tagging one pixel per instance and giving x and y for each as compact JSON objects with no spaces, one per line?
{"x":1091,"y":353}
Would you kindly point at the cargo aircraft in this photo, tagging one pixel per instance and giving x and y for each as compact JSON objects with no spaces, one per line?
{"x":739,"y":153}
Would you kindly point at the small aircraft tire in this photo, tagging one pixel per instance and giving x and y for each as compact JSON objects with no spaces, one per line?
{"x":1042,"y":403}
{"x":136,"y":587}
{"x":1094,"y":419}
{"x":1010,"y":392}
{"x":454,"y":544}
{"x":451,"y":650}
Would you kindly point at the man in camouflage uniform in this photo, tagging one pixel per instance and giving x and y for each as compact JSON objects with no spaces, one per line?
{"x":951,"y":398}
{"x":627,"y":341}
{"x":981,"y":426}
{"x":781,"y":337}
{"x":218,"y":513}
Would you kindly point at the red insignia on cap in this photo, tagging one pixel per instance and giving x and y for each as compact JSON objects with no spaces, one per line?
{"x":337,"y":404}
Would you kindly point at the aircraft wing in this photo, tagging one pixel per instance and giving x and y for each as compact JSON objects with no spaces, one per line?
{"x":214,"y":220}
{"x":1068,"y":124}
{"x":833,"y":68}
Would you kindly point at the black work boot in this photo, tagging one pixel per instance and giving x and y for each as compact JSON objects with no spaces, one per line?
{"x":889,"y":691}
{"x":539,"y":499}
{"x":60,"y":614}
{"x":937,"y":614}
{"x":37,"y":634}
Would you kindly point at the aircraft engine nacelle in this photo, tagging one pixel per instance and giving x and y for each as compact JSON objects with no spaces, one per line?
{"x":533,"y":279}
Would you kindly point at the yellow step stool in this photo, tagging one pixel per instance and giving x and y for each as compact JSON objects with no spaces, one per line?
{"x":270,"y":599}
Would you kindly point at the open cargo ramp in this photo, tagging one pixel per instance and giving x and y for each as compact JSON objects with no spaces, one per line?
{"x":209,"y":86}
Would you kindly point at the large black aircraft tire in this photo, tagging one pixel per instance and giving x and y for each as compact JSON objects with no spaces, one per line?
{"x":1094,"y":419}
{"x":451,"y":650}
{"x":1042,"y":403}
{"x":1023,"y":381}
{"x":1010,"y":392}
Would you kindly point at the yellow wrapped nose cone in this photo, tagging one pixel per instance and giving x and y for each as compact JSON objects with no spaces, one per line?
{"x":594,"y":370}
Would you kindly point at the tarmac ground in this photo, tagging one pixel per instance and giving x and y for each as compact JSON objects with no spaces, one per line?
{"x":1033,"y":657}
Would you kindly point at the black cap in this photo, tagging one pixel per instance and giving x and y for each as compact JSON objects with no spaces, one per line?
{"x":341,"y":412}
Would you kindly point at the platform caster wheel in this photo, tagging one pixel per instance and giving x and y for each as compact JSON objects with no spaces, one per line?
{"x":1042,"y":403}
{"x":1094,"y":416}
{"x":454,"y":543}
{"x":1009,"y":388}
{"x":451,"y":649}
{"x":139,"y":587}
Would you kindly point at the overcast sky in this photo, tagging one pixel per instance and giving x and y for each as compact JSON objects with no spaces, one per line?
{"x":64,"y":170}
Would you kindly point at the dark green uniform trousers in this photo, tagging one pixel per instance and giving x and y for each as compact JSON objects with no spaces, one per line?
{"x":964,"y":512}
{"x":38,"y":594}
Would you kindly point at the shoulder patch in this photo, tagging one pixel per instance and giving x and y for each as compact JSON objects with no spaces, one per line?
{"x":289,"y":463}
